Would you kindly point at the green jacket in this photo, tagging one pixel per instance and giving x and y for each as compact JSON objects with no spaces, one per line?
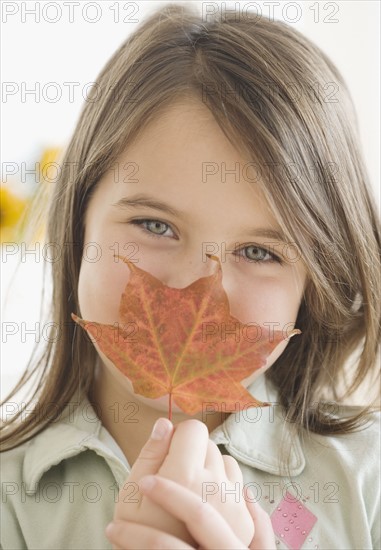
{"x":59,"y":489}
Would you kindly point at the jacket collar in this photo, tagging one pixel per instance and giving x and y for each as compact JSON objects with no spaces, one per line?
{"x":76,"y":430}
{"x":254,"y":436}
{"x":251,"y":436}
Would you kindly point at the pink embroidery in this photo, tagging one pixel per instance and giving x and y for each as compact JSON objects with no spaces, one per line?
{"x":292,"y":521}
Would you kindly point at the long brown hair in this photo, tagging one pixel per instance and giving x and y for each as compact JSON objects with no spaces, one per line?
{"x":266,"y":85}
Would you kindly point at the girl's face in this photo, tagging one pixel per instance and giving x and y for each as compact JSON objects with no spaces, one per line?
{"x":179,"y":191}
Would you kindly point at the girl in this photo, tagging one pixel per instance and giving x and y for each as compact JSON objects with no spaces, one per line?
{"x":208,"y":136}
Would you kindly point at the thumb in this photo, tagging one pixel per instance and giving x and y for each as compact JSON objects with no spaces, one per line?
{"x":148,"y":462}
{"x":154,"y":451}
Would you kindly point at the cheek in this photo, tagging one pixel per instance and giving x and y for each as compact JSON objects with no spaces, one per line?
{"x":100,"y":288}
{"x":270,"y":360}
{"x":265,"y":300}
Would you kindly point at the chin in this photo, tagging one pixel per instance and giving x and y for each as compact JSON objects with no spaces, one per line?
{"x":159,"y":404}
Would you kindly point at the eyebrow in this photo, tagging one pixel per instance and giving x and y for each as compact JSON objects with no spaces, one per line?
{"x":150,"y":202}
{"x":144,"y":200}
{"x":268,"y":234}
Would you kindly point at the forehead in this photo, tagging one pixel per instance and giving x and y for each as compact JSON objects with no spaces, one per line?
{"x":187,"y":128}
{"x":183,"y":158}
{"x":185,"y":141}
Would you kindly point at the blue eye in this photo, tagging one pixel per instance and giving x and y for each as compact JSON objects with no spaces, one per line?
{"x":253,"y":253}
{"x":153,"y":228}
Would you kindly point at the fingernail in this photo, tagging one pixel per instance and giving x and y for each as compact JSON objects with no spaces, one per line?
{"x":147,"y":483}
{"x":110,"y":529}
{"x":160,"y":429}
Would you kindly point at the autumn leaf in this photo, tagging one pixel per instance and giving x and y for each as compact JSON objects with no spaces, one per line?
{"x":184,"y":342}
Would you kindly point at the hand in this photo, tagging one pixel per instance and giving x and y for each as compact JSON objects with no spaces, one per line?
{"x":195,"y":462}
{"x":206,"y":525}
{"x":151,"y":457}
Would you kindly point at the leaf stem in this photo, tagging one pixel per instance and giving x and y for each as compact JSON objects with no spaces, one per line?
{"x":170,"y":406}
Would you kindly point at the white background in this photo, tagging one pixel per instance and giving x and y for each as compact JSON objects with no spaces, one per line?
{"x":38,"y":52}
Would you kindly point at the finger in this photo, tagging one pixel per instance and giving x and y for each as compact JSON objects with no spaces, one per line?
{"x":126,"y":535}
{"x":204,"y":523}
{"x":188,"y":447}
{"x":214,"y":460}
{"x":232,"y":470}
{"x":154,"y":451}
{"x":264,"y":538}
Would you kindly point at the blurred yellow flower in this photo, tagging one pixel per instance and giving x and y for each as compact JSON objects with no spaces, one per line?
{"x":49,"y":170}
{"x":13,"y":206}
{"x":50,"y":156}
{"x":11,"y":210}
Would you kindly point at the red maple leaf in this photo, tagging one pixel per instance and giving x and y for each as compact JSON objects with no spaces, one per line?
{"x":184,"y":342}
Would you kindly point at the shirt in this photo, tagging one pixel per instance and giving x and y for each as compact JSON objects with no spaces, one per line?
{"x":59,"y":489}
